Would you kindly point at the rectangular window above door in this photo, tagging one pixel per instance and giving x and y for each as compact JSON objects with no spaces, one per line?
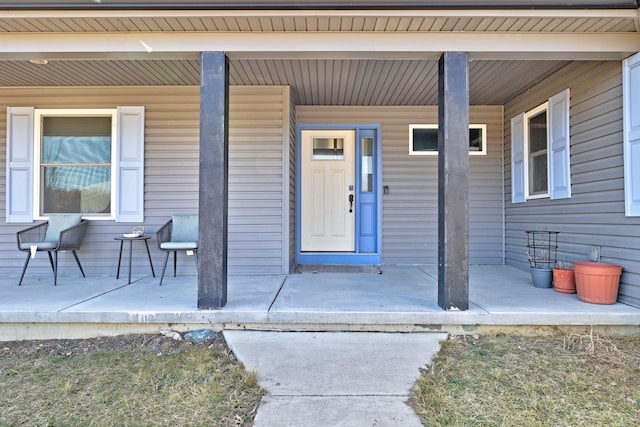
{"x":423,"y":139}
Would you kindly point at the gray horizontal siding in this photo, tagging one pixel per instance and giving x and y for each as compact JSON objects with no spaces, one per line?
{"x":594,"y":216}
{"x":171,"y":164}
{"x":258,"y":127}
{"x":256,"y":226}
{"x":410,"y":210}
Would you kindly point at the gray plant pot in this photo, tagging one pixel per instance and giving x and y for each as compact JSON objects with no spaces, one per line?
{"x":542,"y":276}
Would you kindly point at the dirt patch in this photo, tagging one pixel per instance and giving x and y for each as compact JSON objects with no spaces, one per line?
{"x":122,"y":343}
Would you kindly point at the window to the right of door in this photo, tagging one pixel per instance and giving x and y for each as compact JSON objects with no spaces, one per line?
{"x":536,"y":142}
{"x":423,"y":139}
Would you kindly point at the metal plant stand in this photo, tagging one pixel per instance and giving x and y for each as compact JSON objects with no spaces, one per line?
{"x":542,"y":248}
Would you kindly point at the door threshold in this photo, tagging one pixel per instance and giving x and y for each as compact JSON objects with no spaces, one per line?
{"x":331,"y":268}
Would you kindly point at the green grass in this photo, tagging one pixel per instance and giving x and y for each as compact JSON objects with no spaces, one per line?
{"x":186,"y":385}
{"x":550,"y":381}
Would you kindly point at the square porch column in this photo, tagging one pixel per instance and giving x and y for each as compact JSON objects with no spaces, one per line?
{"x":453,"y":181}
{"x":213,"y":186}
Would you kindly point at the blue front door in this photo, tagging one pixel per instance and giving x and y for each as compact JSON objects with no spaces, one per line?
{"x":338,"y":203}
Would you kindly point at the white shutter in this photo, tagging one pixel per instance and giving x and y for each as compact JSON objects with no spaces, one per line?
{"x":130,"y":165}
{"x":19,"y":164}
{"x":559,"y":141}
{"x":517,"y":159}
{"x":631,"y":127}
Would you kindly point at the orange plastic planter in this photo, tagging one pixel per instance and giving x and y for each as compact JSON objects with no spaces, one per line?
{"x":597,"y":282}
{"x":564,"y":281}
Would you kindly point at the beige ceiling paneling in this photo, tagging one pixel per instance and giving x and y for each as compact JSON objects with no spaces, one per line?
{"x":319,"y":23}
{"x":315,"y":82}
{"x":100,"y":73}
{"x":371,"y":82}
{"x":494,"y":82}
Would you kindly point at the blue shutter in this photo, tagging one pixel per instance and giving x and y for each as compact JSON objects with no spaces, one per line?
{"x":19,"y":164}
{"x":517,"y":159}
{"x":559,"y":141}
{"x":130,"y":165}
{"x":631,"y":131}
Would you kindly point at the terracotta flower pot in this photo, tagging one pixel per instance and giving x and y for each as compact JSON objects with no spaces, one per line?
{"x":564,"y":281}
{"x":597,"y":282}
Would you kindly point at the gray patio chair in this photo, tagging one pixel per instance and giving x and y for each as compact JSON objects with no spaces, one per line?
{"x":62,"y":232}
{"x":180,"y":233}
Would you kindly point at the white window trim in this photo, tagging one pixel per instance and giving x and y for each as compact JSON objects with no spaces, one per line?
{"x":631,"y":135}
{"x":527,"y":115}
{"x":129,"y":165}
{"x":483,"y":152}
{"x":37,"y":135}
{"x":558,"y":150}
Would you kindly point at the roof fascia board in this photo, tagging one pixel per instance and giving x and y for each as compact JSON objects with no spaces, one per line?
{"x":453,"y":13}
{"x":370,"y":44}
{"x":315,"y":4}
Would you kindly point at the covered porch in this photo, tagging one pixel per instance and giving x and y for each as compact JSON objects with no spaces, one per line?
{"x":324,"y":59}
{"x":401,"y":298}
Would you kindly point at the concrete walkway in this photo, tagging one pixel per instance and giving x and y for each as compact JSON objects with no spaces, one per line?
{"x":351,"y":379}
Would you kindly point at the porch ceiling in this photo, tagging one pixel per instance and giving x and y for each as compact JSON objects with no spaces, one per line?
{"x":328,"y":57}
{"x":314,"y":82}
{"x":455,"y":20}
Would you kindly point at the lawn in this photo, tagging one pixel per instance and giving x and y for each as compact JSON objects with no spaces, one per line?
{"x":153,"y":380}
{"x":132,"y":380}
{"x":545,"y":381}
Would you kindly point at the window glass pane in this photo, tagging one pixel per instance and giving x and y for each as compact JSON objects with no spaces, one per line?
{"x":75,"y":150}
{"x":476,"y":139}
{"x":538,"y":174}
{"x":76,"y":126}
{"x":425,"y":139}
{"x":367,"y":165}
{"x":76,"y":189}
{"x":76,"y":165}
{"x":538,"y":132}
{"x":537,"y":146}
{"x":328,"y":148}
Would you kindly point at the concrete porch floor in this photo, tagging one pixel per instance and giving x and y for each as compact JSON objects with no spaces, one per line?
{"x":402,"y":298}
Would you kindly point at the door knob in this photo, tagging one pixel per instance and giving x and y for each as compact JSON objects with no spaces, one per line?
{"x":350,"y":203}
